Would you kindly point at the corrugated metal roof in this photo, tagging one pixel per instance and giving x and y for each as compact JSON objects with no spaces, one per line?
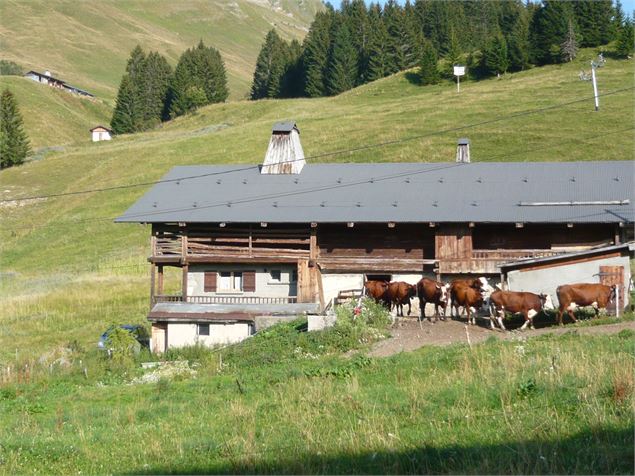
{"x":398,"y":192}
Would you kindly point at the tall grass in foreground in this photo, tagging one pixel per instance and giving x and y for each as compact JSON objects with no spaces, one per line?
{"x":289,"y":402}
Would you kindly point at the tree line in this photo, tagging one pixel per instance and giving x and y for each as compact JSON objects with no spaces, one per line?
{"x":357,"y":44}
{"x":151,"y":91}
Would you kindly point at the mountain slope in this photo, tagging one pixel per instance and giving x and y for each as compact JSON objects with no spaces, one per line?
{"x":69,"y":268}
{"x":53,"y":117}
{"x":88,"y":43}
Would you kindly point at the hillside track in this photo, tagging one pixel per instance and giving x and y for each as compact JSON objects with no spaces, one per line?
{"x":408,"y":335}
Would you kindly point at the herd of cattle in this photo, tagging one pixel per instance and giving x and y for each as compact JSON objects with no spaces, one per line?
{"x":474,"y":294}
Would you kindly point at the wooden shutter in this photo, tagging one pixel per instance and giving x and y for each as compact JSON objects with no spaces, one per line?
{"x":209,"y":285}
{"x":249,"y":281}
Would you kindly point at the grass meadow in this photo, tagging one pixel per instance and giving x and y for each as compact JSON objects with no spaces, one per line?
{"x":289,"y":402}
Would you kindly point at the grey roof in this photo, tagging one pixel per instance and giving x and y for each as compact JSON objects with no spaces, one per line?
{"x":284,"y":127}
{"x":630,"y":246}
{"x":398,"y":192}
{"x":463,"y":141}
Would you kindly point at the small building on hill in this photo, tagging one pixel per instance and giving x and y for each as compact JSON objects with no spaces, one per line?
{"x":46,"y":78}
{"x":100,"y":133}
{"x":278,"y":240}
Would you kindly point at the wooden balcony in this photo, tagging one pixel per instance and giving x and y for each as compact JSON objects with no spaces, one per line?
{"x":225,"y":299}
{"x":489,"y":261}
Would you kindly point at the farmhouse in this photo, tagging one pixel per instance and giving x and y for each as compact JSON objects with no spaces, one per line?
{"x":286,"y":236}
{"x":99,"y":133}
{"x":46,"y":78}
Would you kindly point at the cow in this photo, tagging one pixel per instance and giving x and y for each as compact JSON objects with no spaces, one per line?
{"x":470,"y":298}
{"x":480,"y":284}
{"x":572,"y":296}
{"x":529,"y":304}
{"x":399,"y":293}
{"x":377,"y":290}
{"x":433,"y":292}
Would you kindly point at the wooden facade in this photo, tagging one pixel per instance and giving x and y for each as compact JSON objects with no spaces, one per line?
{"x":444,"y":249}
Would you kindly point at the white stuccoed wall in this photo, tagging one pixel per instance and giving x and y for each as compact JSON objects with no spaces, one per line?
{"x":184,"y":334}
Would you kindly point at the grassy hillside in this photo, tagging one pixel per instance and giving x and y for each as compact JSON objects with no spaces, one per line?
{"x":87,"y":44}
{"x":53,"y":117}
{"x":56,"y":253}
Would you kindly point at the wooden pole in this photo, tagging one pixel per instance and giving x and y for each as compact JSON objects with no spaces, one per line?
{"x":152,"y":277}
{"x":160,"y":289}
{"x":184,"y":282}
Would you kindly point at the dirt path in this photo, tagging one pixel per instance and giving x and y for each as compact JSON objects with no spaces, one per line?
{"x":409,"y":335}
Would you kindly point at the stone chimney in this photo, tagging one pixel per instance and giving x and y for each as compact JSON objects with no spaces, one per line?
{"x":463,"y":150}
{"x":285,"y":154}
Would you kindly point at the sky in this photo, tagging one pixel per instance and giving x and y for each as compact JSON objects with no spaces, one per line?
{"x":627,"y":5}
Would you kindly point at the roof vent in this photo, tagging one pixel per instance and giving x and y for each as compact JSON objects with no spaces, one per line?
{"x":285,"y":154}
{"x":463,"y":150}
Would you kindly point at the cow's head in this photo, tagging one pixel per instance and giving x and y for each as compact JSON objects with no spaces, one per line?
{"x":485,"y":286}
{"x":412,"y":290}
{"x":547,"y":303}
{"x":442,"y":291}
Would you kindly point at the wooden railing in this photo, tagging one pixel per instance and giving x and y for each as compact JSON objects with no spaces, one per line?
{"x":226,"y":299}
{"x":512,"y":255}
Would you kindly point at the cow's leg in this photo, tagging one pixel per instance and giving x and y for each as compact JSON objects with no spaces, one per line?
{"x":531,"y":314}
{"x":560,"y":312}
{"x":500,"y":317}
{"x":409,"y":307}
{"x":422,"y":305}
{"x":596,"y":308}
{"x":527,"y":320}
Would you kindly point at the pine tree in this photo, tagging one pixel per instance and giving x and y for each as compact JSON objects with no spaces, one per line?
{"x":548,"y":30}
{"x":377,"y":58}
{"x":316,"y":54}
{"x":270,"y":66}
{"x":594,"y":20}
{"x":453,"y":55}
{"x":153,"y":82}
{"x":355,"y":15}
{"x":624,"y":44}
{"x":199,"y":78}
{"x":342,"y":69}
{"x":135,"y":62}
{"x":495,"y":59}
{"x":14,"y":143}
{"x":428,"y":69}
{"x":291,"y":85}
{"x":569,"y":47}
{"x":518,"y":44}
{"x":394,"y":21}
{"x":125,"y":118}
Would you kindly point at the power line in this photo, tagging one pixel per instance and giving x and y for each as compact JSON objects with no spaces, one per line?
{"x":315,"y":189}
{"x":318,"y":156}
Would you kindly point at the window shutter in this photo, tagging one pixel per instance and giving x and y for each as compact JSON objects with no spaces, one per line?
{"x":249,"y":281}
{"x":209,"y":285}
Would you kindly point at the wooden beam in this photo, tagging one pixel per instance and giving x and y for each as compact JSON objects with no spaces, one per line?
{"x":160,"y":288}
{"x":313,"y":245}
{"x":391,"y":224}
{"x":520,"y":225}
{"x":184,"y":282}
{"x":350,"y":224}
{"x":152,"y":277}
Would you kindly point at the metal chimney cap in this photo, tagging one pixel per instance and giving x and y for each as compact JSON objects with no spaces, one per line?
{"x":463,"y":141}
{"x":284,"y":127}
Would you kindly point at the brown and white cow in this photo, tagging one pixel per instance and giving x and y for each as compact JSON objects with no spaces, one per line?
{"x":399,"y":293}
{"x":572,"y":296}
{"x":480,"y":284}
{"x":529,"y":304}
{"x":378,"y":290}
{"x":468,"y":297}
{"x":433,"y":292}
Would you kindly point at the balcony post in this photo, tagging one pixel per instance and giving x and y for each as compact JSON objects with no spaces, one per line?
{"x":184,"y":282}
{"x":152,"y":273}
{"x":160,"y":289}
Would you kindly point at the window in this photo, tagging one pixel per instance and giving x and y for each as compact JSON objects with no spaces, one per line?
{"x":203,"y":329}
{"x":230,"y":281}
{"x":276,"y":275}
{"x":294,"y":276}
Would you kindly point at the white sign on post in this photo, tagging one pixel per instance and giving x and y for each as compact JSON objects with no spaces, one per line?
{"x":458,"y":72}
